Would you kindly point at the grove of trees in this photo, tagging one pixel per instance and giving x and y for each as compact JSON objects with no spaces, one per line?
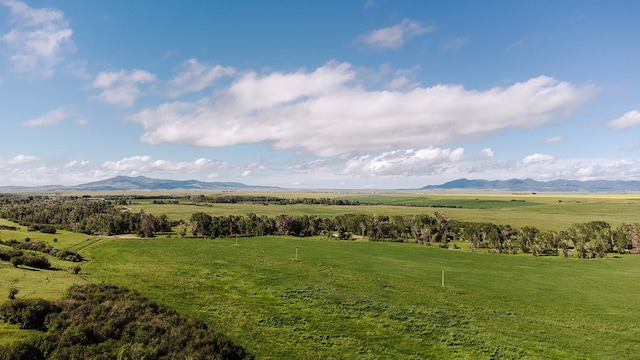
{"x":85,"y":215}
{"x":109,"y":217}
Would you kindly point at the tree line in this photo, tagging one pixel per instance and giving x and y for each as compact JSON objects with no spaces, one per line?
{"x":80,"y":214}
{"x":588,"y":240}
{"x":105,"y":217}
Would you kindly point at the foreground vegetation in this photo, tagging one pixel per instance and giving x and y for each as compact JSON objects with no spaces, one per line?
{"x":105,"y":322}
{"x":290,"y":297}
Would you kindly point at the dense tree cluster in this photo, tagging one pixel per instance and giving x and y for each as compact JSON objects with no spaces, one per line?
{"x":588,"y":240}
{"x":80,"y":214}
{"x":98,"y":321}
{"x":232,"y":199}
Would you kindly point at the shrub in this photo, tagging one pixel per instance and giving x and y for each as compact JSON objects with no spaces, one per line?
{"x":105,"y":322}
{"x":26,"y":313}
{"x":7,"y":254}
{"x":12,"y":293}
{"x":39,"y":262}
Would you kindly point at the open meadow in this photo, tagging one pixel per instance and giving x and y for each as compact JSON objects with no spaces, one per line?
{"x":544,"y":211}
{"x":293,"y":298}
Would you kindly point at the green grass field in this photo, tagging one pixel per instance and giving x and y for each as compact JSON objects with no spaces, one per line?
{"x":544,"y":211}
{"x":384,"y":300}
{"x":369,"y":300}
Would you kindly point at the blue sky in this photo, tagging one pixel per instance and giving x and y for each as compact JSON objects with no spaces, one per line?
{"x":319,"y":94}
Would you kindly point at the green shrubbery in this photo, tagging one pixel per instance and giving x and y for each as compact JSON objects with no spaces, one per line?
{"x":62,"y":254}
{"x":36,"y":261}
{"x":26,"y":313}
{"x":99,"y":321}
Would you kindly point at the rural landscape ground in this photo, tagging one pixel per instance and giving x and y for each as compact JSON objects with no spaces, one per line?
{"x":315,"y":297}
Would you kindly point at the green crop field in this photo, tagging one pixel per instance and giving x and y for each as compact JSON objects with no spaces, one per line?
{"x":306,"y":298}
{"x":544,"y":211}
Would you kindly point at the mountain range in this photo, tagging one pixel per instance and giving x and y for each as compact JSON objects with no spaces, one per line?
{"x":530,"y":185}
{"x":142,"y":183}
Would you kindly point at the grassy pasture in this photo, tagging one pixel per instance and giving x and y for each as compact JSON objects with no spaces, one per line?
{"x":544,"y":211}
{"x":34,"y":283}
{"x":384,"y":300}
{"x":373,"y":300}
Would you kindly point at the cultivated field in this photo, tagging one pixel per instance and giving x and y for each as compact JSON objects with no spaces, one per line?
{"x":293,"y":298}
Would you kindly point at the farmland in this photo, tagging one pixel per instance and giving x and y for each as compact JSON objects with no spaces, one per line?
{"x":544,"y":211}
{"x":289,"y":297}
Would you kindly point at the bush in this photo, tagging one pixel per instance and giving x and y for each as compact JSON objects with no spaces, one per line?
{"x":20,"y":351}
{"x":7,"y":254}
{"x":12,"y":293}
{"x":44,"y":228}
{"x":26,"y":313}
{"x":39,"y":262}
{"x":64,"y":254}
{"x":105,"y":322}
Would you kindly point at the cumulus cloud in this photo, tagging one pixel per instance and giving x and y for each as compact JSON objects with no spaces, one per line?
{"x":146,"y":164}
{"x":404,"y":162}
{"x":327,"y":112}
{"x":537,"y":158}
{"x":394,"y":37}
{"x":487,"y":152}
{"x":76,"y":164}
{"x":252,"y":167}
{"x":629,"y":119}
{"x":18,"y":160}
{"x":39,"y":39}
{"x":120,"y":88}
{"x":195,"y":77}
{"x":594,"y":169}
{"x":54,"y":117}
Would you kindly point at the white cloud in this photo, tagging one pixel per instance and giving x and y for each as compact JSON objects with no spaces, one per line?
{"x":487,"y":152}
{"x":39,"y":40}
{"x":51,"y":118}
{"x":120,"y":88}
{"x":629,"y":119}
{"x":76,"y":164}
{"x":146,"y":164}
{"x":554,"y":139}
{"x":18,"y":160}
{"x":327,"y":112}
{"x":404,"y":79}
{"x":395,"y":36}
{"x":537,"y":158}
{"x":54,"y":117}
{"x":195,"y":77}
{"x":404,"y":162}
